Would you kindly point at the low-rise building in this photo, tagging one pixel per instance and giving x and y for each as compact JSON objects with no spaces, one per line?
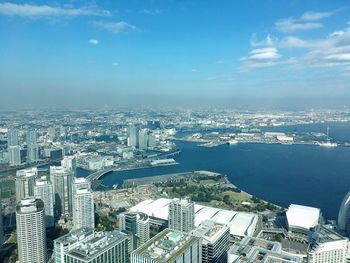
{"x":169,"y":247}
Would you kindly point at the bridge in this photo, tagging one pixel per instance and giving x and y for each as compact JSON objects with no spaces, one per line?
{"x":98,"y":174}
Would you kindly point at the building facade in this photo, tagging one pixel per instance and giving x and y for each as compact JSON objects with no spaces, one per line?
{"x":169,"y":247}
{"x":24,"y":183}
{"x":181,"y":215}
{"x":62,"y":180}
{"x":86,"y":246}
{"x":215,"y":241}
{"x":31,"y":231}
{"x":137,"y":225}
{"x":43,"y":190}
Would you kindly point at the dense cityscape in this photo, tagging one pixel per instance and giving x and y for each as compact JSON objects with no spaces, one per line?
{"x":56,"y":207}
{"x":148,"y":131}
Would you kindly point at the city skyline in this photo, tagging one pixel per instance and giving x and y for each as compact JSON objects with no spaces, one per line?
{"x":255,"y":53}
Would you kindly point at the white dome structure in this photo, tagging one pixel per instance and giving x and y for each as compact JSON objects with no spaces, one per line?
{"x":344,"y":214}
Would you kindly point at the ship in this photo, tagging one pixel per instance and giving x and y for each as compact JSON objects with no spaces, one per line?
{"x":328,"y":143}
{"x":231,"y":142}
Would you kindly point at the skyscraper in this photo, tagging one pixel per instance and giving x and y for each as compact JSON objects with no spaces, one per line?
{"x":133,"y":139}
{"x":327,"y":246}
{"x":2,"y":238}
{"x":344,"y":215}
{"x":137,"y":225}
{"x":83,"y":204}
{"x":24,"y":183}
{"x":215,"y":241}
{"x":181,"y":215}
{"x":86,"y":246}
{"x":14,"y":153}
{"x":31,"y":235}
{"x":43,"y":190}
{"x":12,"y":137}
{"x":32,"y":146}
{"x":143,"y":139}
{"x":70,"y":163}
{"x":62,"y":186}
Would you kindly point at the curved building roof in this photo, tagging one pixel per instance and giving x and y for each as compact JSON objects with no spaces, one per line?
{"x":303,"y":217}
{"x":240,"y":223}
{"x":344,"y":213}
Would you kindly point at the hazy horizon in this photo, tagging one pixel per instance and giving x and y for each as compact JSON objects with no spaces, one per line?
{"x":275,"y":54}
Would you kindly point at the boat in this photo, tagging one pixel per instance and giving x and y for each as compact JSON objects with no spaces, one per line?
{"x":231,"y":142}
{"x":115,"y":186}
{"x":328,"y":143}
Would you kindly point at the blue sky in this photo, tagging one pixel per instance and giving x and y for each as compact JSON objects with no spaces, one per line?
{"x":177,"y":52}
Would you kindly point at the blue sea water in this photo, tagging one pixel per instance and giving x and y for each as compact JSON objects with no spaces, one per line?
{"x":281,"y":174}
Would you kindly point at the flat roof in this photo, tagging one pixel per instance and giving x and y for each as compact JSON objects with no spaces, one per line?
{"x":304,"y":217}
{"x":240,"y":223}
{"x":166,"y":246}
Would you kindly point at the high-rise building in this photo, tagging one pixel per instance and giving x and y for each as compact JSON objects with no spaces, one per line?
{"x":14,"y":154}
{"x":344,"y":215}
{"x":181,"y":215}
{"x":43,"y":190}
{"x":327,"y":246}
{"x":86,"y":246}
{"x":169,"y":247}
{"x":31,"y":235}
{"x":32,"y":146}
{"x":215,"y":241}
{"x":133,"y":138}
{"x":70,"y":163}
{"x":143,"y":139}
{"x":12,"y":137}
{"x":83,"y":204}
{"x":152,"y":142}
{"x":62,"y":186}
{"x":24,"y":183}
{"x":2,"y":237}
{"x":137,"y":225}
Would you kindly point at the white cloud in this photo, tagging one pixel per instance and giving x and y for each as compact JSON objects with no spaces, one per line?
{"x":93,"y":42}
{"x":151,"y":11}
{"x":115,"y":27}
{"x":314,"y":16}
{"x":115,"y":64}
{"x":260,"y":58}
{"x":194,"y":70}
{"x":339,"y":57}
{"x":268,"y":41}
{"x":264,"y":53}
{"x":40,"y":11}
{"x":290,"y":25}
{"x":219,"y":62}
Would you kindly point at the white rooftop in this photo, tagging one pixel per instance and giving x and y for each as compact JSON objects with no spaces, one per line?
{"x":305,"y":217}
{"x":240,"y":223}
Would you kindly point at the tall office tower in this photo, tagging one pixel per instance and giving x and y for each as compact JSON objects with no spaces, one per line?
{"x":43,"y":190}
{"x":169,"y":247}
{"x":344,"y":215}
{"x":143,"y":139}
{"x":137,"y":225}
{"x":31,"y":235}
{"x":70,"y":163}
{"x":215,"y":241}
{"x":133,"y":139}
{"x":152,"y":142}
{"x":62,"y":187}
{"x":83,"y":204}
{"x":2,"y":237}
{"x":51,"y":132}
{"x":327,"y":246}
{"x":24,"y":183}
{"x":14,"y":153}
{"x":32,"y":145}
{"x":181,"y":215}
{"x":86,"y":246}
{"x":12,"y":137}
